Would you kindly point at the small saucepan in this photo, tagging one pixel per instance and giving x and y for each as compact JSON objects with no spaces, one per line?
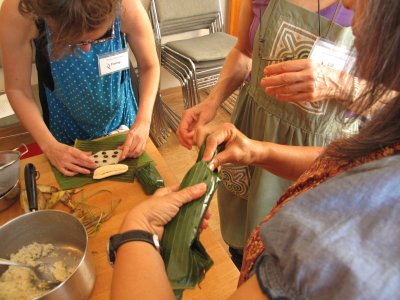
{"x":58,"y":228}
{"x":9,"y":169}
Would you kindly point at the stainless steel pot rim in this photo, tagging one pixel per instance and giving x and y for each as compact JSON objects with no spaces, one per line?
{"x":9,"y":191}
{"x":47,"y":211}
{"x":16,"y":152}
{"x":84,"y":257}
{"x":51,"y":211}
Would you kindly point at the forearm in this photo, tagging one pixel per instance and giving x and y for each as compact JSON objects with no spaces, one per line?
{"x":236,"y":69}
{"x":143,"y":277}
{"x":139,"y":271}
{"x":285,"y":161}
{"x":148,"y":87}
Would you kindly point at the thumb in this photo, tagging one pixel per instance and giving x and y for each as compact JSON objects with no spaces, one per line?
{"x":219,"y":159}
{"x":190,"y":193}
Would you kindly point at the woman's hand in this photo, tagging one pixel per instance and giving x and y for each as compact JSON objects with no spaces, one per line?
{"x":192,"y":118}
{"x":237,"y":147}
{"x":302,"y":80}
{"x":69,"y":160}
{"x":136,"y":139}
{"x":153,"y":214}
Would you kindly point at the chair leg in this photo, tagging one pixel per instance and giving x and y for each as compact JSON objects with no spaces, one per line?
{"x":159,"y":129}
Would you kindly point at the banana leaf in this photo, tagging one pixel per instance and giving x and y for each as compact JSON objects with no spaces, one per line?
{"x":184,"y":256}
{"x":149,"y":178}
{"x":107,"y":143}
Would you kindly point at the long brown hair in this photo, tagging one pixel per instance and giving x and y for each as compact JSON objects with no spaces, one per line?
{"x":70,"y":18}
{"x":378,"y":62}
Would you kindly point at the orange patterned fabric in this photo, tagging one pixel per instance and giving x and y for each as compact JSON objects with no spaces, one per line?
{"x":319,"y":172}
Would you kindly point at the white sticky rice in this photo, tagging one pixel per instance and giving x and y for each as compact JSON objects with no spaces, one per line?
{"x":22,"y":283}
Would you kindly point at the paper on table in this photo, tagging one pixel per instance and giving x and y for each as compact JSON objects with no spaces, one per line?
{"x":5,"y":107}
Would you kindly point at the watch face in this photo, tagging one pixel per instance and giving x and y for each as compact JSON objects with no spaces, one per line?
{"x":156,"y":241}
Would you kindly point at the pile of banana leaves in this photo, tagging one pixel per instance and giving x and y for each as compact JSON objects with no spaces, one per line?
{"x":185,"y":258}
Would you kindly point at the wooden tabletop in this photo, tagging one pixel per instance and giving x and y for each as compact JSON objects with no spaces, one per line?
{"x":220,"y":280}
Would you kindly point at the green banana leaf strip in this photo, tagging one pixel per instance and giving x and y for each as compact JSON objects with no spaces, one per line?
{"x":149,"y":178}
{"x":112,"y":142}
{"x":178,"y":294}
{"x":185,"y":258}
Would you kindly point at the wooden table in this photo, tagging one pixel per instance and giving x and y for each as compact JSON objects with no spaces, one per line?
{"x":220,"y":280}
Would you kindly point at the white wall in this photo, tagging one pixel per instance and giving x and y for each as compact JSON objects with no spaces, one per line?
{"x":169,"y":81}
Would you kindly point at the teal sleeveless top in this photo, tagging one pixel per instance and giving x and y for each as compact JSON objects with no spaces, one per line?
{"x":82,"y":104}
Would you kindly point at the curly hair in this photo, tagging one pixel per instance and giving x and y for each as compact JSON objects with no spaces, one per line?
{"x":378,"y":62}
{"x":70,"y":18}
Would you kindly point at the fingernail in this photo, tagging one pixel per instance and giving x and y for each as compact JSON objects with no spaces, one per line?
{"x":200,"y":186}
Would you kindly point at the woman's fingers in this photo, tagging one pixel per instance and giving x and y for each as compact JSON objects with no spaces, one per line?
{"x":204,"y":222}
{"x":126,"y":147}
{"x":185,"y":131}
{"x":301,"y":80}
{"x":66,"y":172}
{"x":221,"y":135}
{"x":289,"y":91}
{"x":190,"y":193}
{"x":166,"y":190}
{"x":288,"y":66}
{"x":287,"y":79}
{"x":81,"y":158}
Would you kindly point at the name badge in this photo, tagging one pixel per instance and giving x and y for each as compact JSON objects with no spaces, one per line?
{"x":113,"y":62}
{"x":331,"y":55}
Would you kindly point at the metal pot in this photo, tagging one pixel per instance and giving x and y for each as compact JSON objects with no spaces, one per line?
{"x":59,"y":228}
{"x":10,"y":197}
{"x":9,"y":169}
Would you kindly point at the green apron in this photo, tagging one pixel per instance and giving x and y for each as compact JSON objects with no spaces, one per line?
{"x":247,"y":194}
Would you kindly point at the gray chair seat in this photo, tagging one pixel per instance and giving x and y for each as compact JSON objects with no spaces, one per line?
{"x":211,"y":47}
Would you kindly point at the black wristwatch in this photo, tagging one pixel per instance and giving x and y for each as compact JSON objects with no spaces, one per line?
{"x":117,"y":240}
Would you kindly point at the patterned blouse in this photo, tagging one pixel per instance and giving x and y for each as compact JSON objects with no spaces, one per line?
{"x":322,"y":170}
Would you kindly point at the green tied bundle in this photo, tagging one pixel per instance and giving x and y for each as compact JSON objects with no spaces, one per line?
{"x":149,"y":178}
{"x":185,"y":258}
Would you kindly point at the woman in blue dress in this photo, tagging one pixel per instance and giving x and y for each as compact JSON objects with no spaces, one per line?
{"x":83,"y":69}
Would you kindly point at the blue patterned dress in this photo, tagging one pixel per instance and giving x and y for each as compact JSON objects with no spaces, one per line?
{"x":82,"y":104}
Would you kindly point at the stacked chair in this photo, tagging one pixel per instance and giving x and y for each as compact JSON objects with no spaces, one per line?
{"x":196,"y":61}
{"x":159,"y":128}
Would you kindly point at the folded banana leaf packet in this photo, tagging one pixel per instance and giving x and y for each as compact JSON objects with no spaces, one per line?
{"x":149,"y":178}
{"x":185,"y":258}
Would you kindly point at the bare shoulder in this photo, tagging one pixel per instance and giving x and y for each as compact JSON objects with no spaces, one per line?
{"x":133,"y":15}
{"x":13,"y":23}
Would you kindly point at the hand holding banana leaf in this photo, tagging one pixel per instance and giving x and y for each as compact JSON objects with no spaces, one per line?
{"x":153,"y":214}
{"x":186,"y":260}
{"x":226,"y":145}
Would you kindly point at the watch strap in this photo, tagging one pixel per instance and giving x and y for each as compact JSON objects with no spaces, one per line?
{"x":118,"y":240}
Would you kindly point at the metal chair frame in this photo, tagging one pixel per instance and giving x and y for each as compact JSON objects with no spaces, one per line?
{"x":191,"y":75}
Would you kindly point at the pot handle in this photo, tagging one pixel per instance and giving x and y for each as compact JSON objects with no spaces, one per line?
{"x":30,"y":185}
{"x":26,"y":149}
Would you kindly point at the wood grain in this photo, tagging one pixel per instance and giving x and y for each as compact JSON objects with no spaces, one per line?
{"x":219,"y":282}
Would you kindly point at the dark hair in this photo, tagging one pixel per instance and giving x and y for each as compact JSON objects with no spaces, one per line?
{"x":70,"y":18}
{"x":378,"y":62}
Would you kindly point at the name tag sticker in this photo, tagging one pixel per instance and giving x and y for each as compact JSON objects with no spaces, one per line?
{"x":331,"y":55}
{"x":113,"y":62}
